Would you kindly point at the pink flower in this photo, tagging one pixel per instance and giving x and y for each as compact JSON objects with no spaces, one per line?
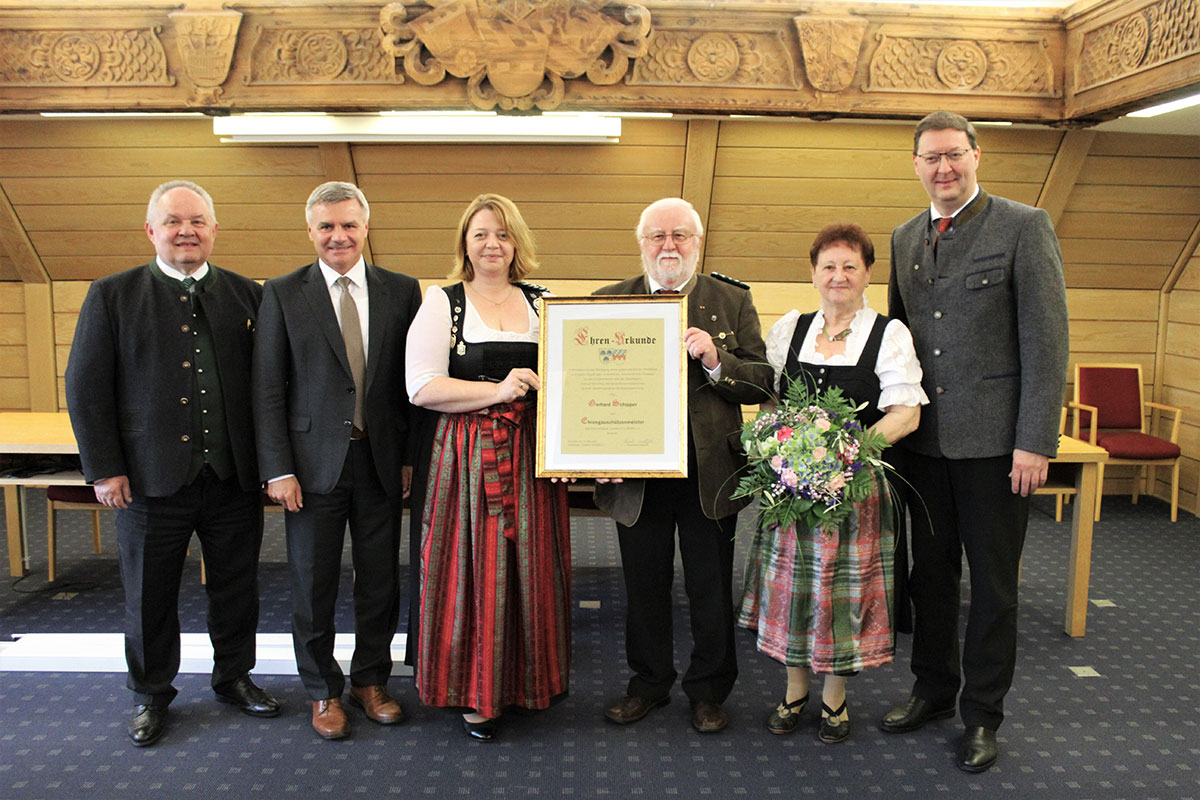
{"x":789,"y":478}
{"x":819,"y":453}
{"x":822,"y":424}
{"x":777,"y":463}
{"x":783,"y":434}
{"x":837,"y":482}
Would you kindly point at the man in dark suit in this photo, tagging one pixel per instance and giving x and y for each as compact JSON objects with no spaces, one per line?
{"x":332,"y":417}
{"x":727,"y":367}
{"x":158,"y":388}
{"x":978,"y":280}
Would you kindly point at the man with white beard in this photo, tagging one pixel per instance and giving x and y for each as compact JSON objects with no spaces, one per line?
{"x":727,"y":366}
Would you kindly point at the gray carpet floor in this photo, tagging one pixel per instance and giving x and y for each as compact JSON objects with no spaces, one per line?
{"x":1115,"y":714}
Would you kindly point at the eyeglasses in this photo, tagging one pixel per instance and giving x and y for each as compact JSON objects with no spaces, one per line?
{"x":952,"y":156}
{"x":659,"y":238}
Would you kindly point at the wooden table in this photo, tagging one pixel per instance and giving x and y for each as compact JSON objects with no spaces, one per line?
{"x":32,"y":433}
{"x":1088,"y":459}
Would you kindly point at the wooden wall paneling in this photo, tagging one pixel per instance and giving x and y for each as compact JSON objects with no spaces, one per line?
{"x":1122,"y":199}
{"x":14,"y":240}
{"x":1186,"y":256}
{"x":35,"y":385}
{"x":67,"y":300}
{"x":1110,"y":143}
{"x":1117,"y":226}
{"x":163,"y":163}
{"x":93,"y":132}
{"x":256,"y":266}
{"x":1068,"y":161}
{"x":39,"y":347}
{"x":14,"y":366}
{"x":581,"y":201}
{"x":65,"y":191}
{"x":700,"y":158}
{"x":1181,"y":368}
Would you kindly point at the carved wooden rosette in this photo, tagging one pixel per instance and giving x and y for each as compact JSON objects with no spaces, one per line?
{"x":90,"y":57}
{"x":1150,"y":36}
{"x":994,"y":66}
{"x":514,"y":54}
{"x":283,"y":55}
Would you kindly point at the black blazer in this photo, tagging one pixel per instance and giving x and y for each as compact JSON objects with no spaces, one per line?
{"x":303,"y":389}
{"x":128,"y":388}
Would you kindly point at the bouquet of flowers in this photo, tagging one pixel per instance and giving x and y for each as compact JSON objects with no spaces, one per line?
{"x":806,"y":458}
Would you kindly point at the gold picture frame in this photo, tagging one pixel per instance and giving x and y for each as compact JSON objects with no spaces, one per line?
{"x":613,"y":402}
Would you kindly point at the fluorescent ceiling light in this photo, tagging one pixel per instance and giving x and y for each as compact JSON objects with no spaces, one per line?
{"x":1167,"y":108}
{"x":120,"y":114}
{"x":419,"y":127}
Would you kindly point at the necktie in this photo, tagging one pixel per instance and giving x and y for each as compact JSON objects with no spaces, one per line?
{"x":666,"y":291}
{"x":943,"y":225}
{"x":352,"y":336}
{"x":189,"y":286}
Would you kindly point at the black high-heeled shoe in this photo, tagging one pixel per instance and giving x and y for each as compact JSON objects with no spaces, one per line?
{"x":786,"y":716}
{"x":481,"y":731}
{"x":830,"y":732}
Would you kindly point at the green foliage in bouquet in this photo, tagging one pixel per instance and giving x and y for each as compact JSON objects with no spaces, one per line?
{"x":808,"y":458}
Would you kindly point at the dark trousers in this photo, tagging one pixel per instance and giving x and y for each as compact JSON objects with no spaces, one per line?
{"x":648,"y":560}
{"x":973,"y":510}
{"x":315,"y":536}
{"x":152,"y":541}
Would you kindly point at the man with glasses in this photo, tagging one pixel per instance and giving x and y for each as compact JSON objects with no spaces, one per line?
{"x":727,"y":367}
{"x":978,"y":280}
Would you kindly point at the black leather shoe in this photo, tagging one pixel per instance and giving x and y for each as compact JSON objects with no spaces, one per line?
{"x":630,"y":708}
{"x":147,"y":725}
{"x":249,"y":697}
{"x":977,"y":752}
{"x":481,"y":731}
{"x":911,"y":715}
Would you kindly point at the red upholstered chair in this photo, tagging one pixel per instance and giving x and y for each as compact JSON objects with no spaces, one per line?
{"x":66,"y":498}
{"x":1116,"y":392}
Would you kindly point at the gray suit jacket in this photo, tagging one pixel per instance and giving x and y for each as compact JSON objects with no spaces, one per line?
{"x":126,"y":384}
{"x":714,"y":409}
{"x":303,"y":389}
{"x":989,"y":320}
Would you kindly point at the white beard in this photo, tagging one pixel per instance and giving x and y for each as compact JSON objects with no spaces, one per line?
{"x":677,"y":270}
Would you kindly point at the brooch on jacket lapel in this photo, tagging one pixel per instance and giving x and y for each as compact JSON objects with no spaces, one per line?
{"x":461,"y":347}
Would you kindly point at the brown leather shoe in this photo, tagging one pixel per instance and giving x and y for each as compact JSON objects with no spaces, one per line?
{"x":708,"y":717}
{"x":377,"y":704}
{"x":630,"y":708}
{"x":329,"y":719}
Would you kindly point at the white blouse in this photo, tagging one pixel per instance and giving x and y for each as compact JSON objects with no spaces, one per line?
{"x":427,"y":353}
{"x":898,"y":369}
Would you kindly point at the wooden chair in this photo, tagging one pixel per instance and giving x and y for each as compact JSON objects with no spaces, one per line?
{"x":1061,"y":482}
{"x":1116,"y":391}
{"x":69,"y":498}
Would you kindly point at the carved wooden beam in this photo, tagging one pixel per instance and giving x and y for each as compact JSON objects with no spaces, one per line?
{"x":1080,"y":66}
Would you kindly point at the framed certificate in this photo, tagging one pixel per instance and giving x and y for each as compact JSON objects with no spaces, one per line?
{"x":614,"y":387}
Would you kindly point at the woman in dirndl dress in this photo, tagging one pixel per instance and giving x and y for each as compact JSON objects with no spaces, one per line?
{"x":821,"y":599}
{"x":494,"y":602}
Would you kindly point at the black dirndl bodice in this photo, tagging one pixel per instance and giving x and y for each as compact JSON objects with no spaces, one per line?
{"x":858,"y":382}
